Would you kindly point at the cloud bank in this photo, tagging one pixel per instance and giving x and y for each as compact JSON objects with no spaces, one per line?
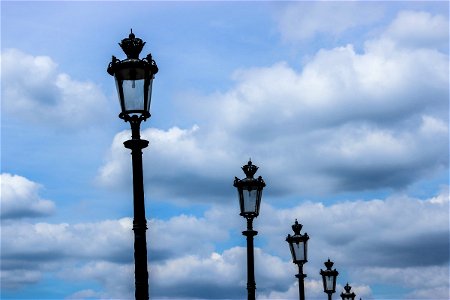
{"x":376,"y":242}
{"x":348,"y":120}
{"x":345,"y":122}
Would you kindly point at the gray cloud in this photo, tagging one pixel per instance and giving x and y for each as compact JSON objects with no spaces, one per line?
{"x":347,"y":121}
{"x":426,"y":249}
{"x":219,"y":276}
{"x":398,"y":235}
{"x":374,"y":242}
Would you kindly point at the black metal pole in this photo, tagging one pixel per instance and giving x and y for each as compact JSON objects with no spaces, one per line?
{"x":251,"y":284}
{"x":329,"y":296}
{"x":301,"y":282}
{"x":136,"y":144}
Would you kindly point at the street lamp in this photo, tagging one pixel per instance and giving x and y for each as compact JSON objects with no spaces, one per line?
{"x":298,"y":244}
{"x":329,"y":278}
{"x":250,"y":192}
{"x":347,"y":295}
{"x":134,"y":79}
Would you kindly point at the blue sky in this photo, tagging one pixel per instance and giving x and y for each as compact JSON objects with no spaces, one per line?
{"x":342,"y":105}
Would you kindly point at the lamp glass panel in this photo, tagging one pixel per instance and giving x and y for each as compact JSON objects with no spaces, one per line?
{"x":249,"y":200}
{"x":149,"y":95}
{"x":119,"y":89}
{"x":329,"y":282}
{"x":133,"y":92}
{"x":299,"y":249}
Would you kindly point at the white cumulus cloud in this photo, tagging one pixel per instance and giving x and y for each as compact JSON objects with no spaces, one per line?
{"x":34,"y":89}
{"x":419,"y":29}
{"x":20,"y":198}
{"x":347,"y":121}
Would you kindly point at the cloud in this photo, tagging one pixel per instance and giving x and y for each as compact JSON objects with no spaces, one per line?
{"x":116,"y":280}
{"x":49,"y":242}
{"x":305,"y":21}
{"x":419,"y":29}
{"x":175,"y":159}
{"x":346,"y":122}
{"x":393,"y":227}
{"x":98,"y":249}
{"x":376,"y":242}
{"x":314,"y":290}
{"x":29,"y":250}
{"x":85,"y":294}
{"x":219,"y":276}
{"x":184,"y":230}
{"x":14,"y":279}
{"x":20,"y":198}
{"x":34,"y":89}
{"x":436,"y":279}
{"x":369,"y":158}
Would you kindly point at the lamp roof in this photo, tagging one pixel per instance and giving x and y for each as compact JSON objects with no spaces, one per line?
{"x":297,"y":227}
{"x":132,"y":46}
{"x":329,"y":264}
{"x":249,"y":169}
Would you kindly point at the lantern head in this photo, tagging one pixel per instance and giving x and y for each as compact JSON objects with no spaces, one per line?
{"x":347,"y":295}
{"x":329,"y":278}
{"x":298,"y":244}
{"x":249,"y":191}
{"x":134,"y":78}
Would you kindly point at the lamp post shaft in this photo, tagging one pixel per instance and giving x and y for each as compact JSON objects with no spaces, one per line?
{"x":251,"y":284}
{"x":329,"y":296}
{"x":301,"y":282}
{"x":136,"y":144}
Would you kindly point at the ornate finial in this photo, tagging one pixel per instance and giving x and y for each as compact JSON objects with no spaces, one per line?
{"x":329,"y":264}
{"x":347,"y":288}
{"x":132,"y":46}
{"x":297,"y":227}
{"x":249,"y":169}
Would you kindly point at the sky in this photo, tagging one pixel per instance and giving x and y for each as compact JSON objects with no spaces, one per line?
{"x":344,"y":106}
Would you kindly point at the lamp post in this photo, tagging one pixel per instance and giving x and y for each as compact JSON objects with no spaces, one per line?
{"x":347,"y":295}
{"x":329,"y":278}
{"x":250,"y":192}
{"x":298,"y":244}
{"x":134,"y":79}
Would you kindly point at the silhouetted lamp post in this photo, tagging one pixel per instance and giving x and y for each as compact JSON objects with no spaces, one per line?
{"x":329,"y":278}
{"x":347,"y":295}
{"x":298,"y":244}
{"x":250,"y":192}
{"x":134,"y":77}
